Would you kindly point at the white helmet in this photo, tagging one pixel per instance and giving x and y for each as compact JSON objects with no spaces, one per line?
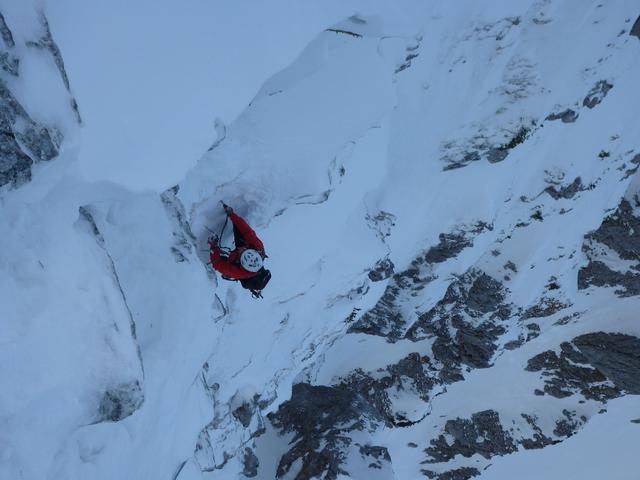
{"x":251,"y":260}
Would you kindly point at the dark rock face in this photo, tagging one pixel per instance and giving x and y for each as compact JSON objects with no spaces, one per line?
{"x":511,"y":266}
{"x":250,"y":463}
{"x":21,"y":141}
{"x":572,"y":371}
{"x":15,"y":165}
{"x":501,"y":152}
{"x":184,"y":240}
{"x":481,"y":434}
{"x":8,"y":61}
{"x":386,"y":318}
{"x":597,"y":94}
{"x":634,"y":161}
{"x":539,"y":440}
{"x":544,"y":308}
{"x":382,"y":270}
{"x":458,"y":154}
{"x":635,"y":30}
{"x":450,"y":245}
{"x":567,"y":191}
{"x":476,"y":345}
{"x":46,"y":42}
{"x":465,"y":323}
{"x":464,"y":473}
{"x":413,"y":375}
{"x":244,"y":413}
{"x":5,"y":32}
{"x":566,"y":427}
{"x":485,"y":294}
{"x":599,"y":275}
{"x":497,"y":154}
{"x":616,"y":355}
{"x":321,"y":418}
{"x":119,"y":402}
{"x":619,"y":232}
{"x":566,"y":116}
{"x":378,"y":455}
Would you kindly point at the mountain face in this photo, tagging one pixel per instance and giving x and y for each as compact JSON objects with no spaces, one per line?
{"x":23,"y":139}
{"x":449,"y":196}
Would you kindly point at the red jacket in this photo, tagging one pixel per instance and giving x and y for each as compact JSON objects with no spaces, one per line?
{"x":230,"y":266}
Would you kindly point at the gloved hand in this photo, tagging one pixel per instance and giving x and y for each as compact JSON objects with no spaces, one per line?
{"x":213,"y":241}
{"x":227,"y":209}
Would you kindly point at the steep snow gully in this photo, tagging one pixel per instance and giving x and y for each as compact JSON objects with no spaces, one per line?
{"x":449,"y":196}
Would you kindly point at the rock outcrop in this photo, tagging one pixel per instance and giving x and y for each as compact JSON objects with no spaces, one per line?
{"x":23,"y":141}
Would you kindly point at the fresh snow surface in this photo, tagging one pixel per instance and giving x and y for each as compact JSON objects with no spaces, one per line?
{"x":605,"y":448}
{"x":333,"y":146}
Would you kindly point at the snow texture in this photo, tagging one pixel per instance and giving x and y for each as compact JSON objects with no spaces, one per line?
{"x":449,"y":197}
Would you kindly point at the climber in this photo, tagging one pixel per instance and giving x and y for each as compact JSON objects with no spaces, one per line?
{"x":245,"y":262}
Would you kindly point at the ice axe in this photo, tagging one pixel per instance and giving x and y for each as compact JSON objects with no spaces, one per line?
{"x":226,"y":207}
{"x":216,"y":238}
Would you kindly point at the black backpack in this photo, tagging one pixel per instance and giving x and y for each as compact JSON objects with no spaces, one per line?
{"x":257,"y":282}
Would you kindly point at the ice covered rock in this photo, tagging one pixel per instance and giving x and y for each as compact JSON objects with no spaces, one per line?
{"x":119,"y":402}
{"x":565,"y":191}
{"x":567,"y":116}
{"x":481,"y":434}
{"x":390,"y":389}
{"x":465,"y":323}
{"x":635,"y":29}
{"x":23,"y":140}
{"x":251,"y":463}
{"x":617,"y":239}
{"x":597,"y":93}
{"x":388,"y":318}
{"x":321,"y":420}
{"x":572,"y":372}
{"x":382,"y":270}
{"x":616,"y":355}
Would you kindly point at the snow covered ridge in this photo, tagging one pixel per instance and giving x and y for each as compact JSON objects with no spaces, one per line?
{"x":449,"y":196}
{"x":517,"y":323}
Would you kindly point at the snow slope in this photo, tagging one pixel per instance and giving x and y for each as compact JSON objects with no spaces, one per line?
{"x":603,"y":449}
{"x":450,"y":200}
